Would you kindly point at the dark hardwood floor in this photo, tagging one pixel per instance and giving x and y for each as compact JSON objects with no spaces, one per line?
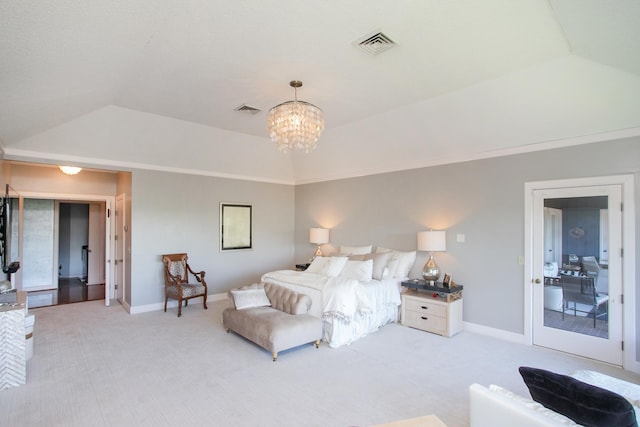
{"x":74,"y":290}
{"x":70,"y":290}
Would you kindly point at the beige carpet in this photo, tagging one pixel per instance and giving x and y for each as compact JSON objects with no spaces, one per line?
{"x":99,"y":366}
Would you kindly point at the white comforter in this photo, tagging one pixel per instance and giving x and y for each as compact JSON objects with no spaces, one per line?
{"x":341,"y":298}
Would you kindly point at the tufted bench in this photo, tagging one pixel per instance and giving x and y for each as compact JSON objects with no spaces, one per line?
{"x":272,"y":316}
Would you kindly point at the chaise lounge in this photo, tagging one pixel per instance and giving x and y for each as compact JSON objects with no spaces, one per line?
{"x":272,"y":316}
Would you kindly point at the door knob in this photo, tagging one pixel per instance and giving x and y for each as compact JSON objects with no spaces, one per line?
{"x":537,"y":281}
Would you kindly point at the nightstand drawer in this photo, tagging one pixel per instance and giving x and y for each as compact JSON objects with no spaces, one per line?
{"x":426,"y":322}
{"x":426,"y":307}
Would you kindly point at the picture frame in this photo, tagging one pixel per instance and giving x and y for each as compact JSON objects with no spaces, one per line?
{"x":446,"y":281}
{"x":236,"y":226}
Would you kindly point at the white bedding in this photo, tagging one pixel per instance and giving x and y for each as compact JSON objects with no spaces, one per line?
{"x":350,"y":309}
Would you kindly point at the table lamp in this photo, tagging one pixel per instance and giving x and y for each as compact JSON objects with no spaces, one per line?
{"x":431,"y":241}
{"x":318,"y":236}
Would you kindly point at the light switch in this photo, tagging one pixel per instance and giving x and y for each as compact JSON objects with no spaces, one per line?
{"x":460,"y":238}
{"x":520,"y":260}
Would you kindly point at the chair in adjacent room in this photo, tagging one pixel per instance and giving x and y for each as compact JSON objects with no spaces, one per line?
{"x":582,"y":290}
{"x":177,"y":285}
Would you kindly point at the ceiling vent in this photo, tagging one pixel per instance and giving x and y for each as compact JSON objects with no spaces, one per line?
{"x":248,"y":109}
{"x":374,"y":43}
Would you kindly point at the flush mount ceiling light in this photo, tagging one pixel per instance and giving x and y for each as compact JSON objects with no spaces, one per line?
{"x":70,"y":170}
{"x":295,"y":124}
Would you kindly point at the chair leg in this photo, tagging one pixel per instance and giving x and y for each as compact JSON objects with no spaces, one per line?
{"x":204,"y":301}
{"x":166,"y":298}
{"x":179,"y":308}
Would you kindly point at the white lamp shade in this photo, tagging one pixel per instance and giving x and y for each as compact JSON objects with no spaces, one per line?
{"x":319,"y":236}
{"x":432,"y":241}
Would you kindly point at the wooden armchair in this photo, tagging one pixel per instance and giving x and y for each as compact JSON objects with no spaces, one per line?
{"x":176,"y":281}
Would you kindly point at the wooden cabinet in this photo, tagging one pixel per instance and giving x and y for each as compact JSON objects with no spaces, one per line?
{"x":421,"y":310}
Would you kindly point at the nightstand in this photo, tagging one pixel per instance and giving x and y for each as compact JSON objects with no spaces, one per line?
{"x":438,"y":311}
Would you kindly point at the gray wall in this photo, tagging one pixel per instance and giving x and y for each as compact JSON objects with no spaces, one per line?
{"x":180,"y":213}
{"x":483,"y":199}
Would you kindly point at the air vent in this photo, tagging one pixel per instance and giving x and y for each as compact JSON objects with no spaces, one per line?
{"x":374,"y":43}
{"x":248,"y":109}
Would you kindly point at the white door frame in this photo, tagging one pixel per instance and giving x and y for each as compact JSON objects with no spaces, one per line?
{"x":109,"y":225}
{"x":628,"y":261}
{"x":120,"y":247}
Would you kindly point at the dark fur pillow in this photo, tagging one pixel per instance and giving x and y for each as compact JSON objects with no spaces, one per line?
{"x":584,"y":403}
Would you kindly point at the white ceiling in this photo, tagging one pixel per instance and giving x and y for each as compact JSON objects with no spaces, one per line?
{"x":149,"y":83}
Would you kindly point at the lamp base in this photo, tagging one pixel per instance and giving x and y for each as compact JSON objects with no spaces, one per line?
{"x":318,"y":253}
{"x":431,"y":271}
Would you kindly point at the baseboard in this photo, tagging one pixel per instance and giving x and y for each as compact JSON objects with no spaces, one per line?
{"x":171,"y":304}
{"x":124,"y":305}
{"x":493,"y":332}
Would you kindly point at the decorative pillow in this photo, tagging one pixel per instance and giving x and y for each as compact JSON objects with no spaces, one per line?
{"x":583,"y":403}
{"x":532,"y":405}
{"x":356,"y":250}
{"x":358,"y":270}
{"x":248,"y":298}
{"x":626,"y":389}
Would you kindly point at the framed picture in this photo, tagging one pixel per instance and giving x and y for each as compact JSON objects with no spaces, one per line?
{"x":236,"y":224}
{"x":446,"y":282}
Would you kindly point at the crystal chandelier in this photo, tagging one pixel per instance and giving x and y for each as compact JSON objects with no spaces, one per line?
{"x":295,"y":124}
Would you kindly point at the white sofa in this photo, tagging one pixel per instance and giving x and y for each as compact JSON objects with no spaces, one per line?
{"x":496,"y":407}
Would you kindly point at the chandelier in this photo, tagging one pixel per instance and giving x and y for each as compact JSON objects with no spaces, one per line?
{"x":295,"y":124}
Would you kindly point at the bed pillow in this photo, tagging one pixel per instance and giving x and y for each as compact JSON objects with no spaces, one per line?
{"x":327,"y":266}
{"x":380,"y":262}
{"x":358,"y":270}
{"x":400,"y":263}
{"x":249,"y":298}
{"x":336,"y":264}
{"x":356,"y":250}
{"x":319,"y":265}
{"x":405,"y":262}
{"x":583,"y":403}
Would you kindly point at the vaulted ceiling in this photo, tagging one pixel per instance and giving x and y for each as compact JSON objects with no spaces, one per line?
{"x":154,"y":84}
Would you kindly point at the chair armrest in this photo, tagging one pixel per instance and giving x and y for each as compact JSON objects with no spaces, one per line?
{"x":198,"y":275}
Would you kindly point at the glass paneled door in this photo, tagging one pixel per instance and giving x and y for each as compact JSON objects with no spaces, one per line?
{"x":577,"y":290}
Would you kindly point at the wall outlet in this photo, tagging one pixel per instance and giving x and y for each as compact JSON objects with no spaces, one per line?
{"x":460,"y":238}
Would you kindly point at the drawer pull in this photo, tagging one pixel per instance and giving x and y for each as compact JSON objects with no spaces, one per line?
{"x":424,"y":307}
{"x":424,"y":318}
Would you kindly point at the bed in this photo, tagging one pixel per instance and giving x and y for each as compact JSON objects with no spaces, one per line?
{"x":354,"y":296}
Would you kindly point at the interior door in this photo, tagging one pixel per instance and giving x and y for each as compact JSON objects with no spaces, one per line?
{"x":555,"y":322}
